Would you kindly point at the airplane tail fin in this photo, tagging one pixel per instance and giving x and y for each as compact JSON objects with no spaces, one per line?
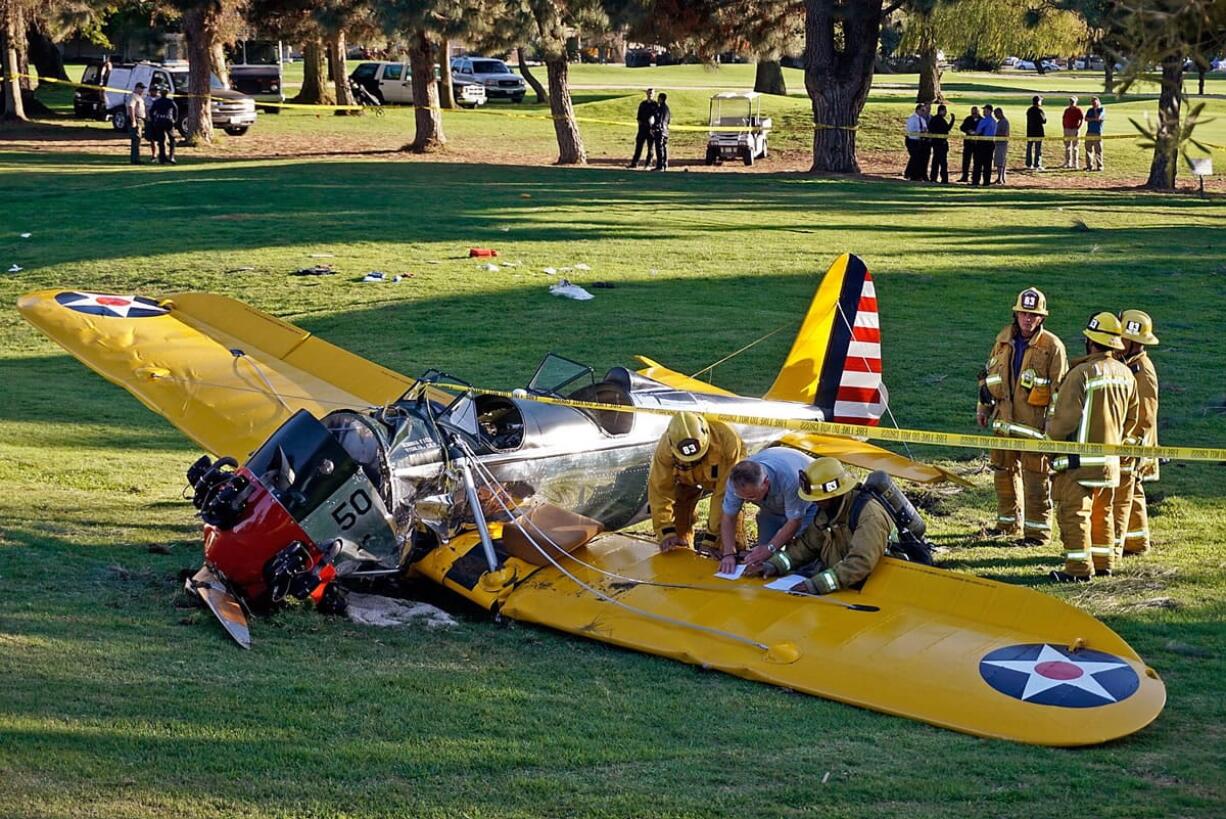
{"x":835,"y":361}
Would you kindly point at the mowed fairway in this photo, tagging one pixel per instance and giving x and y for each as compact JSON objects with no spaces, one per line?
{"x":122,"y":700}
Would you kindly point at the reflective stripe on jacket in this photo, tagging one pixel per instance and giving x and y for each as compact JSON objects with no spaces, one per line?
{"x":1024,"y":400}
{"x":850,"y":554}
{"x":709,"y":472}
{"x":1147,"y":413}
{"x":1097,"y":403}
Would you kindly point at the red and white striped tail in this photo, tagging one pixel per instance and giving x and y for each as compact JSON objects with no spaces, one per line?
{"x":861,"y":397}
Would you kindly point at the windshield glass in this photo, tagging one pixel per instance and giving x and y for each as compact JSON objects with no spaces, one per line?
{"x":180,"y":80}
{"x":490,"y":67}
{"x":556,"y":372}
{"x":261,"y":52}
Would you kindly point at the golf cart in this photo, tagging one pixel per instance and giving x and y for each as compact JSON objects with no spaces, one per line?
{"x":737,"y":127}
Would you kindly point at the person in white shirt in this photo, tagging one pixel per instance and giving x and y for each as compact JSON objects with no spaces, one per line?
{"x":917,"y":146}
{"x":135,"y":107}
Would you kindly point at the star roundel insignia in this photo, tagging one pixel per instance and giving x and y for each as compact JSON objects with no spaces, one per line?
{"x":1044,"y":674}
{"x":100,"y":304}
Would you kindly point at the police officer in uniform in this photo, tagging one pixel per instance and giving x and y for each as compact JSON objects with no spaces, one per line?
{"x":693,"y":458}
{"x":1128,"y":506}
{"x":646,"y":118}
{"x":847,"y":538}
{"x":659,"y":132}
{"x":1015,"y":390}
{"x":163,"y":115}
{"x":1097,"y":403}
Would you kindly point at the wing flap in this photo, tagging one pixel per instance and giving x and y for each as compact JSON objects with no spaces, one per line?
{"x":869,"y":456}
{"x":918,"y":656}
{"x":224,"y":373}
{"x":672,"y":378}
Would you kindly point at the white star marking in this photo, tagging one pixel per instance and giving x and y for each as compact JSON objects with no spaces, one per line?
{"x":119,"y":306}
{"x":1038,"y":682}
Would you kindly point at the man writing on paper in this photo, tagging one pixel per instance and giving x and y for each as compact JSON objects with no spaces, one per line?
{"x":769,"y":479}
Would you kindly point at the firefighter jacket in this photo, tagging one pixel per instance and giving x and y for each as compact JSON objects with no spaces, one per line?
{"x":1097,"y":403}
{"x":848,"y":555}
{"x":1023,"y":399}
{"x":709,"y":473}
{"x":1147,"y":411}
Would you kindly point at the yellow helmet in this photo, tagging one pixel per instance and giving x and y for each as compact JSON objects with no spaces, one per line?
{"x":825,"y":478}
{"x":688,"y":436}
{"x":1104,"y":328}
{"x":1138,"y":327}
{"x":1031,"y":300}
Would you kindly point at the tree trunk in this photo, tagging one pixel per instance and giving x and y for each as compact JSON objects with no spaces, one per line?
{"x":220,"y":67}
{"x":570,"y":142}
{"x":427,"y":116}
{"x":22,"y":48}
{"x":200,"y":31}
{"x":1108,"y":75}
{"x":340,"y":75}
{"x":768,"y":78}
{"x":1200,"y":81}
{"x":542,"y":96}
{"x":929,"y":67}
{"x":315,"y":89}
{"x":446,"y":97}
{"x":45,"y":54}
{"x":838,"y":75}
{"x":13,"y":108}
{"x":1166,"y":151}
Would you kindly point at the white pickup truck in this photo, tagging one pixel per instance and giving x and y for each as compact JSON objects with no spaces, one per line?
{"x":391,"y":83}
{"x":233,"y":112}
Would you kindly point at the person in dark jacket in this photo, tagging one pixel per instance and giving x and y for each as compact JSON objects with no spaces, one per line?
{"x":659,"y":132}
{"x":940,"y":126}
{"x":163,"y":115}
{"x":968,"y":126}
{"x":1035,"y":120}
{"x":646,"y":117}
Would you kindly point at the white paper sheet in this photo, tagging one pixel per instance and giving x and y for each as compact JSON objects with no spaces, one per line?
{"x":785,"y":583}
{"x":735,"y":574}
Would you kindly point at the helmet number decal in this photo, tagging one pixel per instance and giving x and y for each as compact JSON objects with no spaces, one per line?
{"x":831,"y":486}
{"x":1094,"y":323}
{"x":1030,"y":300}
{"x":1133,"y":326}
{"x":688,"y":447}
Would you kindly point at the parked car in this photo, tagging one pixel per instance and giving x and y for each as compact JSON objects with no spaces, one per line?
{"x":638,"y":58}
{"x":232,"y":112}
{"x":392,"y":83}
{"x":499,"y":81}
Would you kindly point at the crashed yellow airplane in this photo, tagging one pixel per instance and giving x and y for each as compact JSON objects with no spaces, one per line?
{"x":352,"y":470}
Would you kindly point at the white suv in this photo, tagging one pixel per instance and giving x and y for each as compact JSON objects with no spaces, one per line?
{"x":392,"y":83}
{"x":499,"y":80}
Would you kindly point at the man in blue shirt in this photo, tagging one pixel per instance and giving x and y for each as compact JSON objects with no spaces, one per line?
{"x":984,"y":148}
{"x":1095,"y":117}
{"x":770,"y":479}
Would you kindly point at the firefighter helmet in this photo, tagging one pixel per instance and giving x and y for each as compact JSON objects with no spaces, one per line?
{"x":1104,"y":328}
{"x":1138,"y":327}
{"x":1031,"y":300}
{"x":825,"y":478}
{"x":688,"y":436}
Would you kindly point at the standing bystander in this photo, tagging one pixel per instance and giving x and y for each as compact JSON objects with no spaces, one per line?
{"x":917,"y":158}
{"x":939,"y":127}
{"x":1071,"y":121}
{"x":135,"y":110}
{"x":1036,"y":119}
{"x":969,"y":123}
{"x":985,"y":133}
{"x":1095,"y":117}
{"x":1001,"y":150}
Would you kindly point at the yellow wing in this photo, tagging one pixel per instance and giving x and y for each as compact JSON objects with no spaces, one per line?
{"x":916,"y":647}
{"x":224,"y":373}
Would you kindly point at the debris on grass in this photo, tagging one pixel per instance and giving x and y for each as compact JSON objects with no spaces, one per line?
{"x":26,"y":235}
{"x":238,"y":270}
{"x":322,"y":256}
{"x":376,"y":610}
{"x":315,"y":270}
{"x":583,"y":266}
{"x":1186,"y":649}
{"x":16,"y":268}
{"x":1080,"y":225}
{"x":481,"y":252}
{"x":551,"y":271}
{"x":489,"y":267}
{"x":571,"y":291}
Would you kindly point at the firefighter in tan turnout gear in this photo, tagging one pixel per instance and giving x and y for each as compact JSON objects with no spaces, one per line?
{"x":1128,"y":505}
{"x":692,"y":459}
{"x":1096,"y":403}
{"x":1015,"y":391}
{"x":848,"y":536}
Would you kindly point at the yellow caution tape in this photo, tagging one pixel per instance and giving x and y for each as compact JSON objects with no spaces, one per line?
{"x":907,"y":436}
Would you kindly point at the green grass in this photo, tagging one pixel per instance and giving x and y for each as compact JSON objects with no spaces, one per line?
{"x":119,"y":702}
